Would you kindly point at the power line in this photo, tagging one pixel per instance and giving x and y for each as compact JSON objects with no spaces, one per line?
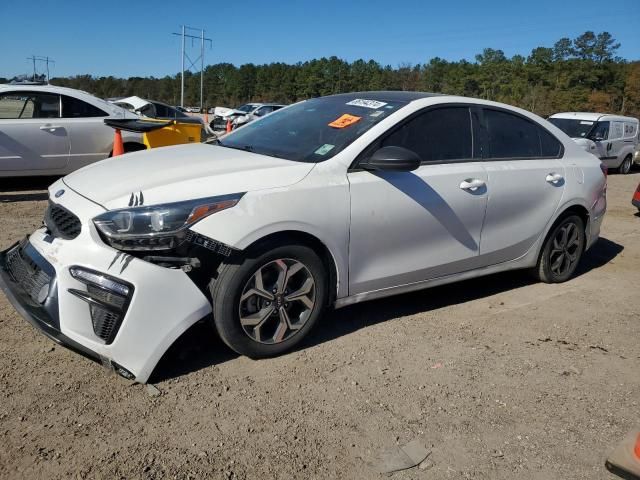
{"x":192,"y":63}
{"x":45,"y":60}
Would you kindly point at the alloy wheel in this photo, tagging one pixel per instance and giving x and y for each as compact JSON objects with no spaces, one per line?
{"x":565,"y":250}
{"x":626,"y":166}
{"x":277,"y":301}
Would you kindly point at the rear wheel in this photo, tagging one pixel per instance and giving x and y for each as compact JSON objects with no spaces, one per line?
{"x":268,"y":302}
{"x":625,"y":166}
{"x":562,"y":250}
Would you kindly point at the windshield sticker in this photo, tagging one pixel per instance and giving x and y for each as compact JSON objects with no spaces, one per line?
{"x":344,"y":121}
{"x":360,"y":102}
{"x":377,"y":113}
{"x":584,"y":122}
{"x":324,"y":149}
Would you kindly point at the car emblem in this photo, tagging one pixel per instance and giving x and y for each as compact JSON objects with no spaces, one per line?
{"x":59,"y":193}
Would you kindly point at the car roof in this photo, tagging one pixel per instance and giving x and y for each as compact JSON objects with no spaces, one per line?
{"x":388,"y":95}
{"x":71,"y":92}
{"x":592,"y":116}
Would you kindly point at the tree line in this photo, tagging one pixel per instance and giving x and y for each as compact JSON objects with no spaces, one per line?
{"x":580,"y":74}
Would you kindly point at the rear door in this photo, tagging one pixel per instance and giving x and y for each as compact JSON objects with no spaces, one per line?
{"x":31,"y":134}
{"x":91,"y":139}
{"x":616,"y":141}
{"x":525,"y":183}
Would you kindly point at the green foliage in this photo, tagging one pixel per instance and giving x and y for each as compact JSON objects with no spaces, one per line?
{"x":579,"y":74}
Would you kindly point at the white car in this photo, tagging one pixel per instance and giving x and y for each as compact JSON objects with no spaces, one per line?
{"x":48,"y":130}
{"x":326,"y":203}
{"x":242,"y":115}
{"x":611,"y":138}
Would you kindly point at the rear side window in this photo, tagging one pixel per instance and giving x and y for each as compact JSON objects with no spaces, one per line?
{"x":511,"y":136}
{"x":436,"y":135}
{"x":617,"y":130}
{"x":630,"y":130}
{"x":74,"y":108}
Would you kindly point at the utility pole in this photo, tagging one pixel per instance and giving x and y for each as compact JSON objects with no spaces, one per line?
{"x":45,"y":60}
{"x":192,"y":63}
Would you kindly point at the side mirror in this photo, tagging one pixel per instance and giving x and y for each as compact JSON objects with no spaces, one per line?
{"x":393,"y":159}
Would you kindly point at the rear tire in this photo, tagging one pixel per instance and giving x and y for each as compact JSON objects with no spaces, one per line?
{"x":266,"y":302}
{"x":626,"y":165}
{"x":562,"y":250}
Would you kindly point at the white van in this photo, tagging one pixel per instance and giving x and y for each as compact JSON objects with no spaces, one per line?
{"x":611,"y":138}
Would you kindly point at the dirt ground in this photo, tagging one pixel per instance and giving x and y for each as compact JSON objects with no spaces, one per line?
{"x":500,"y":378}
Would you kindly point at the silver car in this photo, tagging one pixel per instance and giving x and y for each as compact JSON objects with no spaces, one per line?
{"x":48,"y":130}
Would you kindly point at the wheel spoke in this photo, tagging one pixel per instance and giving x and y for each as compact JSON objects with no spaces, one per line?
{"x":557,"y":263}
{"x":256,"y":318}
{"x":282,"y":275}
{"x":278,"y":336}
{"x":257,"y":289}
{"x":291,"y":271}
{"x":302,"y":294}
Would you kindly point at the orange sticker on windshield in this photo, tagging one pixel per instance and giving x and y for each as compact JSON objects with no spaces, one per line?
{"x":345,"y":120}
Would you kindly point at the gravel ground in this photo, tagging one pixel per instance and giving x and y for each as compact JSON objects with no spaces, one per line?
{"x":499,"y":378}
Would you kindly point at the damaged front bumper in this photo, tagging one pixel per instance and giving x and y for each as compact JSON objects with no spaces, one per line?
{"x":119,"y":310}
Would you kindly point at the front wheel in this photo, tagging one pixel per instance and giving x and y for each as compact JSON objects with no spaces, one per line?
{"x":267,"y":302}
{"x":626,"y":165}
{"x":562,"y":251}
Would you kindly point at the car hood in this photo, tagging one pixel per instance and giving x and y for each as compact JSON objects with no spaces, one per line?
{"x":183,"y":172}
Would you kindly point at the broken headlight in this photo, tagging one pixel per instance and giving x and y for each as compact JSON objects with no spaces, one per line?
{"x":158,"y":227}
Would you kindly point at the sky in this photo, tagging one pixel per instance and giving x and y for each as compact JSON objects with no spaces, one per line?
{"x":134,"y":38}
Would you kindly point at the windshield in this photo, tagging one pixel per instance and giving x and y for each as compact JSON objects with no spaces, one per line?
{"x":573,"y":127}
{"x":311,"y":131}
{"x":247,"y":107}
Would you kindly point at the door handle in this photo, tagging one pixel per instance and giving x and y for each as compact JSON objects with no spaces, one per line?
{"x":50,"y":128}
{"x":609,"y":145}
{"x":554,"y":178}
{"x":472,"y":184}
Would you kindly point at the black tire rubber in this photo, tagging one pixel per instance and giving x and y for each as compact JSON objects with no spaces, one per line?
{"x":226,"y":290}
{"x":543,"y":269}
{"x":628,"y":161}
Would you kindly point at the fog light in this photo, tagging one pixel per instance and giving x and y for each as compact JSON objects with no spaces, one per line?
{"x":91,"y":277}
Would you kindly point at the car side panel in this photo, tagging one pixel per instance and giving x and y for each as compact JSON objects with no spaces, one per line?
{"x":33,"y":144}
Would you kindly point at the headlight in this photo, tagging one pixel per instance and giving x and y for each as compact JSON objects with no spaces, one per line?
{"x":158,"y":227}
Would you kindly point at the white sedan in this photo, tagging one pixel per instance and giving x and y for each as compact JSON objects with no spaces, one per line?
{"x":326,"y":203}
{"x":48,"y":130}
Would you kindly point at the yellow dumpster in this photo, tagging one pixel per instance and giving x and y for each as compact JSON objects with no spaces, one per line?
{"x":173,"y":134}
{"x":160,"y":133}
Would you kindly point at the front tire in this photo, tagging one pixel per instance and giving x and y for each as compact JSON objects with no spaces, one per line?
{"x":267,"y":301}
{"x":625,"y":166}
{"x":562,"y":250}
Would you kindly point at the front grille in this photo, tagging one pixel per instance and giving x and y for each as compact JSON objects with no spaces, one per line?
{"x":61,"y":222}
{"x":31,"y":278}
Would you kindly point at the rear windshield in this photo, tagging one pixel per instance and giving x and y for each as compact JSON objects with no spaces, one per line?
{"x":573,"y":127}
{"x":311,"y":131}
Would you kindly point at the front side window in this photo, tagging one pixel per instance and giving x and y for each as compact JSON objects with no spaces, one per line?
{"x":29,"y":105}
{"x":512,"y":136}
{"x":600,"y":131}
{"x":441,"y":134}
{"x":75,"y":108}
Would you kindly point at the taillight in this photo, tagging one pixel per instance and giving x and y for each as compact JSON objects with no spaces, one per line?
{"x":636,"y":196}
{"x":604,"y":169}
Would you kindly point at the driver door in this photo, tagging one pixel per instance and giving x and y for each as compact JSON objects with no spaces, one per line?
{"x":407,"y":227}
